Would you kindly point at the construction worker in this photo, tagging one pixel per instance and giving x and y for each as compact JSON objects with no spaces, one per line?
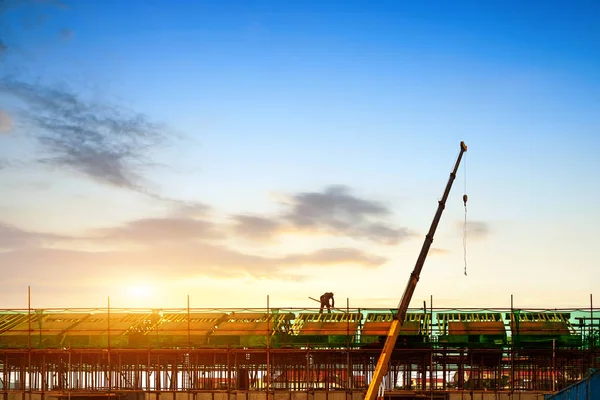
{"x":325,"y":297}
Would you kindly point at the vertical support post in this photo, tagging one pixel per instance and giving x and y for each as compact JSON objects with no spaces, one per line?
{"x":431,"y":378}
{"x":424,"y":373}
{"x":348,"y":368}
{"x":148,"y":370}
{"x":228,"y":370}
{"x":268,"y":377}
{"x":430,"y":316}
{"x":591,"y":334}
{"x":29,"y":317}
{"x":108,"y":380}
{"x":591,"y":319}
{"x":553,"y":363}
{"x":43,"y":379}
{"x":29,"y":339}
{"x":430,"y":330}
{"x":69,"y":372}
{"x":425,"y":363}
{"x":512,"y":346}
{"x":461,"y":371}
{"x":158,"y":387}
{"x":444,"y":369}
{"x":189,"y":378}
{"x":432,"y":381}
{"x":308,"y":372}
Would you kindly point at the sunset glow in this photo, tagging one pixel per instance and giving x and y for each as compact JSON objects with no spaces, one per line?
{"x":249,"y":154}
{"x":140,"y":291}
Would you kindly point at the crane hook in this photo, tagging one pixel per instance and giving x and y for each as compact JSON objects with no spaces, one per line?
{"x":465,"y":198}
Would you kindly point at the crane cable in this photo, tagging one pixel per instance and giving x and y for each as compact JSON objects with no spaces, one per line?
{"x":465,"y":198}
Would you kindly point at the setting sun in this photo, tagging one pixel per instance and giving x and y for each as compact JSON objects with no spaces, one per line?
{"x":139,"y":292}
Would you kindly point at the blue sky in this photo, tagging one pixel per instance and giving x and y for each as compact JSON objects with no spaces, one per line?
{"x":153,"y":149}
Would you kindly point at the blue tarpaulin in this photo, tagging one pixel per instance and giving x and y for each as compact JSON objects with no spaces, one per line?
{"x":586,"y":389}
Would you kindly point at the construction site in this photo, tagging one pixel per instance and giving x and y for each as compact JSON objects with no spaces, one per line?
{"x":291,"y":353}
{"x":297,"y":354}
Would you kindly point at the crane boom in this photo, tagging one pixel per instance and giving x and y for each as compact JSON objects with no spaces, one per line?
{"x":390,"y":342}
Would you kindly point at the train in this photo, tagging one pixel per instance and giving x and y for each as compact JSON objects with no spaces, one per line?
{"x":51,"y":329}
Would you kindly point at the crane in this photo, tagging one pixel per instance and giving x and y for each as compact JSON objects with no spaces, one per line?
{"x":392,"y":335}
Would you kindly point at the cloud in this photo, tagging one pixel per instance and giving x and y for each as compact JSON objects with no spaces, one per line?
{"x":164,"y":247}
{"x":150,"y":230}
{"x":190,"y":209}
{"x":186,"y":233}
{"x":12,"y":237}
{"x":334,"y":257}
{"x":383,"y":234}
{"x":477,"y":229}
{"x":186,"y":243}
{"x":191,"y":222}
{"x":437,"y":251}
{"x":183,"y":208}
{"x":254,"y":227}
{"x":186,"y":222}
{"x":65,"y":34}
{"x":175,"y":260}
{"x":6,"y":122}
{"x":104,"y":142}
{"x":335,"y":201}
{"x":334,"y":211}
{"x":337,"y":211}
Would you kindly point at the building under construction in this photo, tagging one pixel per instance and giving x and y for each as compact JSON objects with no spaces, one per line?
{"x":285,"y":353}
{"x":291,"y":354}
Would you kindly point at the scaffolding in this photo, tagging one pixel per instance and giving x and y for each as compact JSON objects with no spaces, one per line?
{"x":77,"y":352}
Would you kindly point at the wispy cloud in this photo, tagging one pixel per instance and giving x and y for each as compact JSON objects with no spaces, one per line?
{"x":171,"y":229}
{"x":190,"y":209}
{"x":169,"y":246}
{"x":255,"y":227}
{"x":6,"y":122}
{"x":438,"y":251}
{"x":65,"y":34}
{"x":12,"y":237}
{"x":334,"y":257}
{"x":183,"y":208}
{"x":333,"y":211}
{"x":172,"y":260}
{"x":477,"y":229}
{"x":337,"y":211}
{"x":104,"y":142}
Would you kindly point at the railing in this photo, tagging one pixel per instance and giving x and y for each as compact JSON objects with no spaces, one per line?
{"x":40,"y":328}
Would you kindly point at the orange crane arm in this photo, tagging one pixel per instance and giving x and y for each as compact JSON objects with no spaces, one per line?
{"x":390,"y":342}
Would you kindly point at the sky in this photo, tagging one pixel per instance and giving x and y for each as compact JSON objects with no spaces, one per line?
{"x":254,"y":153}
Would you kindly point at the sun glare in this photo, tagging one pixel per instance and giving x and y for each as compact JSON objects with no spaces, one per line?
{"x":139,"y":291}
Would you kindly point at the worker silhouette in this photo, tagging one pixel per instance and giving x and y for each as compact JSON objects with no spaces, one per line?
{"x":325,"y":298}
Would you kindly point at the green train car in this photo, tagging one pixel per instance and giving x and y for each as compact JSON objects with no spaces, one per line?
{"x":51,"y":329}
{"x":325,"y":329}
{"x":414,"y":330}
{"x":473,"y":329}
{"x":543,"y":329}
